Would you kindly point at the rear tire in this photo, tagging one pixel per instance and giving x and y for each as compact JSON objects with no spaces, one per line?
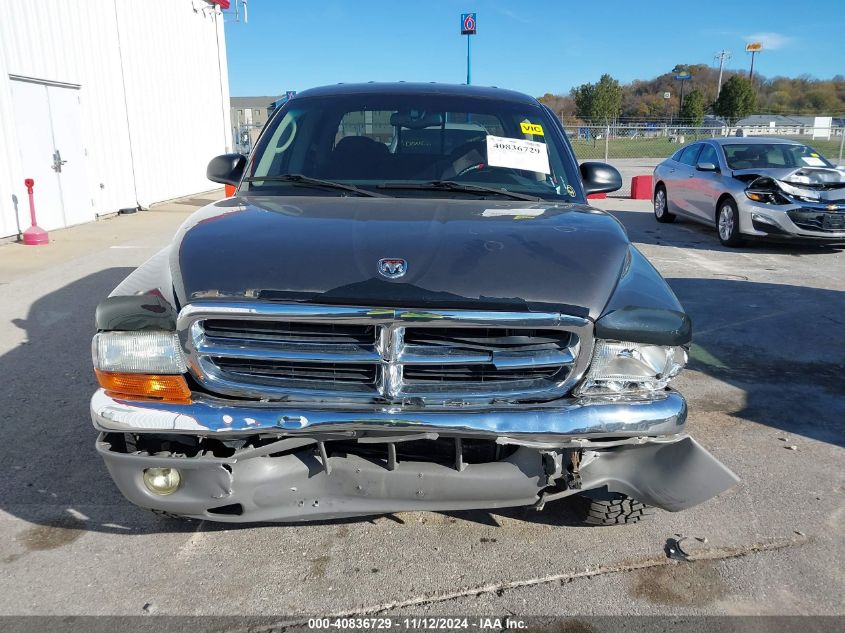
{"x":727,"y":224}
{"x":611,"y":508}
{"x":661,"y":206}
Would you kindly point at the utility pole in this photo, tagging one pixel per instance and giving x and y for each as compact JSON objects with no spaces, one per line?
{"x":722,"y":56}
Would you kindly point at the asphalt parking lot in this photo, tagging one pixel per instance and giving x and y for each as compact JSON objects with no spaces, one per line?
{"x":766,"y":397}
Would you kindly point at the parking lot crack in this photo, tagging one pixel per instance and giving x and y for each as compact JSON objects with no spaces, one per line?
{"x":710,"y":554}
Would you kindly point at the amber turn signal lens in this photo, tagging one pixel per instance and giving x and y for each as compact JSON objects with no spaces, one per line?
{"x":160,"y":387}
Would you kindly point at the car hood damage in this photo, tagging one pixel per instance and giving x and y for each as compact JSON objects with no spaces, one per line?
{"x":814,"y":184}
{"x":462,"y":254}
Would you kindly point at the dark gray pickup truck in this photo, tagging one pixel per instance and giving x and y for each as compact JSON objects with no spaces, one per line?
{"x":407,"y":305}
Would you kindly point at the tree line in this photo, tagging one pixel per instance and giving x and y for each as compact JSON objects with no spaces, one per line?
{"x":607,"y":101}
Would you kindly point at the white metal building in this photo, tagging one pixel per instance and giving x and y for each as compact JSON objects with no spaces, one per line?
{"x":108,"y":104}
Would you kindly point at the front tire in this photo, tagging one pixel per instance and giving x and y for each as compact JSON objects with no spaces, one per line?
{"x":661,"y":206}
{"x":611,"y":508}
{"x":727,"y":224}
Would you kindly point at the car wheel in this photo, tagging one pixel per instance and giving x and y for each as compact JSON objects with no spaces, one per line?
{"x":661,"y":206}
{"x":727,"y":223}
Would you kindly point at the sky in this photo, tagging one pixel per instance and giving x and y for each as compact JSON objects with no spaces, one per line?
{"x":533,"y":46}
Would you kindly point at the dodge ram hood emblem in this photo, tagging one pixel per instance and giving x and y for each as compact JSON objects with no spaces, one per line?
{"x":392,"y":267}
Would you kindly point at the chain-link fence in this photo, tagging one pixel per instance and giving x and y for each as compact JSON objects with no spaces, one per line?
{"x":635,"y":150}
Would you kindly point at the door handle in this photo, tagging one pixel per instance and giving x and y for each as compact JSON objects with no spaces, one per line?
{"x":58,"y":162}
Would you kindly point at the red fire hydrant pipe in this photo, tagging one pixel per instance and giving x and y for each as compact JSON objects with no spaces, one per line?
{"x":34,"y":235}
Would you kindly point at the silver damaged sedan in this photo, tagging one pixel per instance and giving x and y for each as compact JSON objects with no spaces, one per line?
{"x":753,"y":187}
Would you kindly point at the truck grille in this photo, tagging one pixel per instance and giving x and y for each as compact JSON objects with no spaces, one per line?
{"x":284,"y":351}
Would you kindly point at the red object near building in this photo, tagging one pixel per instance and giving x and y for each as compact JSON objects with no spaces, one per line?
{"x":641,"y":187}
{"x":229,"y":190}
{"x":596,"y":196}
{"x":34,"y":235}
{"x":223,"y":4}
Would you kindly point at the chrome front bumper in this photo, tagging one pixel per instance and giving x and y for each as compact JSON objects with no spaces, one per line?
{"x":549,"y":422}
{"x":635,"y":448}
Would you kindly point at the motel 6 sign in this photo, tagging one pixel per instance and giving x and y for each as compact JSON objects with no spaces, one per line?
{"x":468,"y":24}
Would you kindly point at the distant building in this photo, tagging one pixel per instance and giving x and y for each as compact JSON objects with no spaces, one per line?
{"x":248,"y":114}
{"x":783,"y":125}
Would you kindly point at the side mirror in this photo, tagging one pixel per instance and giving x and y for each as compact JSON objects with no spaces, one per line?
{"x":600,"y":178}
{"x":227,"y":169}
{"x":706,"y":167}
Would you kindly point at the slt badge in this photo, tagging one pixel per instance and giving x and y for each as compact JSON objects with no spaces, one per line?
{"x":392,"y":267}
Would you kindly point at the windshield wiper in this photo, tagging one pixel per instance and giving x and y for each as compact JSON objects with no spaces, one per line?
{"x":451,"y":185}
{"x":317,"y":182}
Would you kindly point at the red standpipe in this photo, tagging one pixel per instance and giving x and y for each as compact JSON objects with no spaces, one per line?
{"x":34,"y":235}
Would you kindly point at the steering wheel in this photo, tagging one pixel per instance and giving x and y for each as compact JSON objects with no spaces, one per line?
{"x":463,"y":153}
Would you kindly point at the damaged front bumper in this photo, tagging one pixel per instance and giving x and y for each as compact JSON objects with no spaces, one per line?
{"x":808,"y":221}
{"x":804,"y":205}
{"x":281,"y":464}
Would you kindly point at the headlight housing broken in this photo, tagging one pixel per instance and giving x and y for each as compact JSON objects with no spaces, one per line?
{"x":625,"y":367}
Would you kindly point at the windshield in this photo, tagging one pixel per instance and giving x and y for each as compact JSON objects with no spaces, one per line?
{"x":772,"y":156}
{"x":409,"y":145}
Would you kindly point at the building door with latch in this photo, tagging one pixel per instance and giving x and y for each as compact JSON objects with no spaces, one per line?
{"x":47,"y":119}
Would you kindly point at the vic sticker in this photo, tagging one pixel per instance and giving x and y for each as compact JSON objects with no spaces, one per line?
{"x":531,"y":128}
{"x":517,"y":154}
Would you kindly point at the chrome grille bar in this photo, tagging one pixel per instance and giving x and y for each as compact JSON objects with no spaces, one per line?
{"x":270,"y":351}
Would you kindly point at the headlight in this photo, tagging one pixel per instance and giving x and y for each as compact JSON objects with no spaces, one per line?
{"x":138,"y":353}
{"x":621,"y":367}
{"x":767,"y":197}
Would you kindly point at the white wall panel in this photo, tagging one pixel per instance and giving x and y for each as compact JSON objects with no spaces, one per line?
{"x":10,"y":172}
{"x":176,"y":108}
{"x":154,"y":100}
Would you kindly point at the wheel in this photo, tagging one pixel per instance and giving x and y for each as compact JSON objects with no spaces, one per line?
{"x":661,"y":206}
{"x":611,"y":508}
{"x":727,"y":221}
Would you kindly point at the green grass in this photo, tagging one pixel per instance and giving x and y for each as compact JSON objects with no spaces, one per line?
{"x":660,"y":147}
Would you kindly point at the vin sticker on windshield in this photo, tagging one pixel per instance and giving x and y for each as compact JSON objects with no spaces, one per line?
{"x":813,"y":161}
{"x":517,"y":154}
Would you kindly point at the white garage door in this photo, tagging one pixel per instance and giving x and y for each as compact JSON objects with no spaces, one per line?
{"x":47,"y":120}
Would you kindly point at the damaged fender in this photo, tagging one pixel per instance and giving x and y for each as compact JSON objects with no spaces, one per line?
{"x":673,"y":476}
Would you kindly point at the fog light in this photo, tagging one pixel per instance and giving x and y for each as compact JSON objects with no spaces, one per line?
{"x":162,"y":481}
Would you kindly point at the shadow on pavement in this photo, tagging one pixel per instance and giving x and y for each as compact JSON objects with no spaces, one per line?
{"x":782,"y":345}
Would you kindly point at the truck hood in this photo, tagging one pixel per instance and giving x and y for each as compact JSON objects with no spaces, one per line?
{"x":471,"y":254}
